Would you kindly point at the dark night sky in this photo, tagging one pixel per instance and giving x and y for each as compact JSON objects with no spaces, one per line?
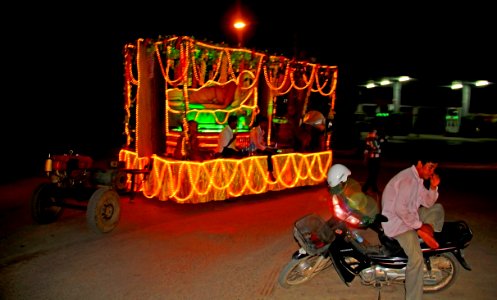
{"x":65,"y":66}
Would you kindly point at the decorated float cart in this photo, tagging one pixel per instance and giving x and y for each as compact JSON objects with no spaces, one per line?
{"x":173,"y":80}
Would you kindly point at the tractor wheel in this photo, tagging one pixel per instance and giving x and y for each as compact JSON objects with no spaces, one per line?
{"x":45,"y":208}
{"x":119,"y":181}
{"x":103,"y":211}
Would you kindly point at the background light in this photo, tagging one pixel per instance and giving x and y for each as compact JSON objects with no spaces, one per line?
{"x":239,"y":25}
{"x":482,"y":83}
{"x":456,"y":85}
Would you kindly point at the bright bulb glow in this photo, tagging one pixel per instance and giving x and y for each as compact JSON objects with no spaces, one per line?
{"x":404,"y":78}
{"x":456,"y":85}
{"x":385,"y":82}
{"x":482,"y":83}
{"x":239,"y":25}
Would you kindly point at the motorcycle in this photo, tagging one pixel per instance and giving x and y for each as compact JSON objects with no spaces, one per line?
{"x":337,"y":242}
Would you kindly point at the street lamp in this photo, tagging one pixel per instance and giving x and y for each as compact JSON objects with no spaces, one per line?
{"x":239,"y":26}
{"x":466,"y":92}
{"x":396,"y":83}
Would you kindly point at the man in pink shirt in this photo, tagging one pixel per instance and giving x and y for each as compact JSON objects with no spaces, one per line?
{"x":412,"y":213}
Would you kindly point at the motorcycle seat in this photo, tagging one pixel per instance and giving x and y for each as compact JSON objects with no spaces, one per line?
{"x":390,"y":246}
{"x":454,"y":234}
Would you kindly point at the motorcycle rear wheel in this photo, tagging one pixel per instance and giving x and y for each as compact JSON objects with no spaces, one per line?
{"x":444,"y":270}
{"x":298,"y":271}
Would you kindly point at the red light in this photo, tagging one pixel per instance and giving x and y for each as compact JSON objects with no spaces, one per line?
{"x":352,"y":220}
{"x":337,"y":209}
{"x":342,"y":214}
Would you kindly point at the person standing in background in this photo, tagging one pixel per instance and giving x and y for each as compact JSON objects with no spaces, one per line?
{"x":372,"y":158}
{"x":257,"y":141}
{"x":226,"y":144}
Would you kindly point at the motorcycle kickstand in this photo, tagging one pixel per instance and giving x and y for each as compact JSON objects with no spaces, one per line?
{"x":378,"y":288}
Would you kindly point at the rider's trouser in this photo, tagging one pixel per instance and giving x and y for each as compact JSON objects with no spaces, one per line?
{"x":409,"y":241}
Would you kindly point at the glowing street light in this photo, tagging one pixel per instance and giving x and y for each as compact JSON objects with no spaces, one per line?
{"x":239,"y":26}
{"x":466,"y":92}
{"x":396,"y":83}
{"x":239,"y":21}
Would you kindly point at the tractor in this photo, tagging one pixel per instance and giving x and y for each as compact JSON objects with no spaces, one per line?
{"x":74,"y":183}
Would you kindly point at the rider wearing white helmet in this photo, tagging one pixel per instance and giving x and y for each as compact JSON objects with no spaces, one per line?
{"x":350,"y":191}
{"x":337,"y":174}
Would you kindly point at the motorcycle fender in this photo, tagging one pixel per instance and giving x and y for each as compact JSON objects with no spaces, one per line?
{"x":460,"y":257}
{"x":343,"y":273}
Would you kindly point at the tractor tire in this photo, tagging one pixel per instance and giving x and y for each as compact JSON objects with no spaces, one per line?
{"x":45,"y":207}
{"x":103,"y":211}
{"x":119,"y":182}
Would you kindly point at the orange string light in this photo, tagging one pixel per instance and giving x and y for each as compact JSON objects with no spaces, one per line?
{"x":195,"y":182}
{"x":220,"y":179}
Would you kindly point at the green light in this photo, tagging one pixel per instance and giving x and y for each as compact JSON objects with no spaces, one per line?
{"x":209,"y":122}
{"x":280,"y":120}
{"x":382,"y":114}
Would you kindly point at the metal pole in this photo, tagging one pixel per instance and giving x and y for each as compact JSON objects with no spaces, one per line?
{"x":396,"y":96}
{"x":466,"y":97}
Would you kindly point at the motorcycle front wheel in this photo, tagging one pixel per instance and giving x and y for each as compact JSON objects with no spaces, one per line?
{"x":298,"y":271}
{"x":444,"y":271}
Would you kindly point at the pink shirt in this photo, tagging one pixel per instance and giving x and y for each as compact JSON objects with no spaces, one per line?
{"x":401,"y":199}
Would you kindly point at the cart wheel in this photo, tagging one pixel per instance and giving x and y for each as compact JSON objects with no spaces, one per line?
{"x":102,"y":213}
{"x":119,"y":181}
{"x":45,"y":208}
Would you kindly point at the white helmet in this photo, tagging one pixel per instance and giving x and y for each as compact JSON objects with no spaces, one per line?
{"x":337,"y":173}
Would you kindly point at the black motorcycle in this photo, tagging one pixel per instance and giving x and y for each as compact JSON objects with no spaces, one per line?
{"x":337,"y":243}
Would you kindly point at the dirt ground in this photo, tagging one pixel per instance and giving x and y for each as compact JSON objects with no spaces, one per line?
{"x":231,"y":249}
